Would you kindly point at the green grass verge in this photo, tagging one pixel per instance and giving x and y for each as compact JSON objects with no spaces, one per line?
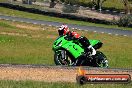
{"x":22,"y":43}
{"x":36,"y":84}
{"x":25,"y":46}
{"x":117,"y":4}
{"x":10,"y":12}
{"x":2,"y":0}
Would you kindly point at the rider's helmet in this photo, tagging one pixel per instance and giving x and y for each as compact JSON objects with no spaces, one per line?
{"x":63,"y":29}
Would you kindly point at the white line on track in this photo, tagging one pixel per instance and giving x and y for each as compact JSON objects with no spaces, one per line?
{"x":7,"y":19}
{"x":34,"y":23}
{"x":42,"y":24}
{"x":21,"y":21}
{"x":80,"y":29}
{"x":85,"y":30}
{"x":28,"y":22}
{"x":57,"y":26}
{"x":109,"y":33}
{"x":14,"y":20}
{"x":73,"y":28}
{"x":116,"y":34}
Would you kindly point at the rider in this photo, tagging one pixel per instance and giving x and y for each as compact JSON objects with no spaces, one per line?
{"x":64,"y":30}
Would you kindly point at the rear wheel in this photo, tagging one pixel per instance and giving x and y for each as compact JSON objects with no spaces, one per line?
{"x":62,"y":57}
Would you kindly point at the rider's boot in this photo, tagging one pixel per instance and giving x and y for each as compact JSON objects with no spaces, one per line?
{"x":90,"y":51}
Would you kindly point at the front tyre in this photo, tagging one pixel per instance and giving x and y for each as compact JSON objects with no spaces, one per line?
{"x":101,"y":60}
{"x":61,"y":57}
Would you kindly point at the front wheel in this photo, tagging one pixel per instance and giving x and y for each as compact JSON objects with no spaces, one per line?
{"x":62,"y":57}
{"x":101,"y":60}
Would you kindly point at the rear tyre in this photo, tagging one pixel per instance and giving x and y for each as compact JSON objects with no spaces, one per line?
{"x":62,"y":57}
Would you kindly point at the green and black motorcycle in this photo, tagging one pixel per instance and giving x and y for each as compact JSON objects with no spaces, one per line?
{"x":69,"y":51}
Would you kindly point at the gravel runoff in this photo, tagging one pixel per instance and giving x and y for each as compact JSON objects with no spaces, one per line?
{"x":50,"y":73}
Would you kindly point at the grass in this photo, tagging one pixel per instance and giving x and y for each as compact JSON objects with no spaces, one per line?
{"x":11,"y":12}
{"x":22,"y":43}
{"x":2,"y":0}
{"x":29,"y":49}
{"x":2,"y":24}
{"x":117,"y":4}
{"x":36,"y":84}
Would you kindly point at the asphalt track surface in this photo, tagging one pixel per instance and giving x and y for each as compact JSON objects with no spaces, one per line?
{"x":73,"y":26}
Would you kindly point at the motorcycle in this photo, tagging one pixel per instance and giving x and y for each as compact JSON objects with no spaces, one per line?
{"x":68,"y":51}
